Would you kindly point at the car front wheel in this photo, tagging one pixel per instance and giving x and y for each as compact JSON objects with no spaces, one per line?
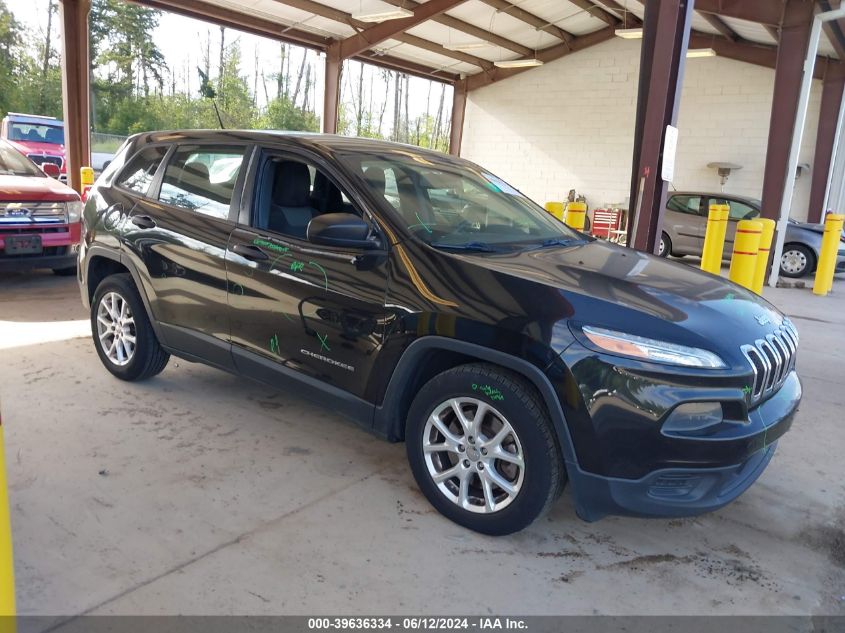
{"x":123,"y":336}
{"x":482,"y":449}
{"x":796,"y":261}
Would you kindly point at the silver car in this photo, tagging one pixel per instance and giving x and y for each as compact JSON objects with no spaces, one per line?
{"x":685,"y":222}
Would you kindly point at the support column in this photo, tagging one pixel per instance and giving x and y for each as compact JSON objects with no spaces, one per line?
{"x":331,"y":92}
{"x":789,"y":70}
{"x":459,"y":105}
{"x":75,"y":87}
{"x":831,"y":106}
{"x":666,"y":27}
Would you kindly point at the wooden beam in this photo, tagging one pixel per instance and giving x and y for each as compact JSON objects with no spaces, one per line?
{"x":73,"y":15}
{"x":662,"y":60}
{"x":719,"y":24}
{"x":346,"y":18}
{"x":404,"y":66}
{"x":789,"y":71}
{"x":761,"y":11}
{"x":503,"y":6}
{"x":459,"y":105}
{"x":237,"y":20}
{"x":331,"y":92}
{"x":834,"y":32}
{"x":470,"y":29}
{"x":832,"y":90}
{"x":546,"y":55}
{"x":596,"y":11}
{"x":629,"y":18}
{"x":374,"y":35}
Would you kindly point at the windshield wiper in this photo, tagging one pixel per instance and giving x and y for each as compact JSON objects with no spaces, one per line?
{"x":560,"y":241}
{"x":481,"y":247}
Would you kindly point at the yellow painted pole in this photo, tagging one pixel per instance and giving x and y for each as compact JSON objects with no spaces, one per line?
{"x":7,"y":567}
{"x":575,"y":214}
{"x":556,"y":209}
{"x":762,"y":264}
{"x":744,"y":258}
{"x":714,"y":238}
{"x":827,"y":256}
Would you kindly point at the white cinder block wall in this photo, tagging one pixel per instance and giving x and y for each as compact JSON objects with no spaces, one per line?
{"x":570,"y":124}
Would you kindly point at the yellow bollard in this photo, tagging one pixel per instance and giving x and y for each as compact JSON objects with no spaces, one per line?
{"x":744,"y":258}
{"x":827,"y":256}
{"x":762,"y":264}
{"x":714,"y":238}
{"x":575,"y":214}
{"x":556,"y":209}
{"x":7,"y":567}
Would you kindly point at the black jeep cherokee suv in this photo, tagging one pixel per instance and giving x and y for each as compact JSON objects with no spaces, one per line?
{"x":432,"y":302}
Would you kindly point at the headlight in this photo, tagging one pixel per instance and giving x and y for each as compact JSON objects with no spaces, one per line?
{"x":651,"y":350}
{"x":74,"y":211}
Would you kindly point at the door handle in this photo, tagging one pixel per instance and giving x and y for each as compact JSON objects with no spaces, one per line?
{"x":143,"y":221}
{"x":250,"y":252}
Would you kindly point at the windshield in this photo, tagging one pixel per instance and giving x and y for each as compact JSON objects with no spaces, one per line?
{"x":451,"y":205}
{"x":37,"y":133}
{"x":13,"y":163}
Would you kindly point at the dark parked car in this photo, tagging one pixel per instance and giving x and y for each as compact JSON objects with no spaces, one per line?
{"x":685,"y":223}
{"x":433,"y":303}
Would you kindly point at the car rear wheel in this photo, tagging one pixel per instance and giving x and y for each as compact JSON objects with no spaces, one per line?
{"x":796,"y":261}
{"x":482,"y":449}
{"x":665,"y":246}
{"x":123,"y":336}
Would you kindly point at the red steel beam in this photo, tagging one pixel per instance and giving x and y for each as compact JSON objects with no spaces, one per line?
{"x":789,"y":69}
{"x":76,"y":87}
{"x":459,"y":105}
{"x":832,"y":90}
{"x":331,"y":92}
{"x":545,"y":55}
{"x":761,"y":11}
{"x":662,"y":58}
{"x":374,"y":35}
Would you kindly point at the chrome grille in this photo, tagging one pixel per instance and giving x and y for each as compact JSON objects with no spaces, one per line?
{"x":40,"y":159}
{"x":772,"y":358}
{"x":32,"y":212}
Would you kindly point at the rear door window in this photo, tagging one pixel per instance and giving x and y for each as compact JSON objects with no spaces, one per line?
{"x":685,"y":204}
{"x":738,"y":210}
{"x":202,"y":179}
{"x":139,"y":173}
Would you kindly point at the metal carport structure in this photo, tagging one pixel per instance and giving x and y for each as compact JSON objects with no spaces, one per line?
{"x":771,"y":33}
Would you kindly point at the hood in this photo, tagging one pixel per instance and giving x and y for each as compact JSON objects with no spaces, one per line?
{"x":34,"y":147}
{"x":650,"y":296}
{"x":807,"y":226}
{"x":34,"y":189}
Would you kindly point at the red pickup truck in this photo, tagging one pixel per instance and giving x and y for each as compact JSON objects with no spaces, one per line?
{"x":39,"y":216}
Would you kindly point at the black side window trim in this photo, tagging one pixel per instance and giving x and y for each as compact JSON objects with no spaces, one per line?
{"x":265,"y":153}
{"x":156,"y":181}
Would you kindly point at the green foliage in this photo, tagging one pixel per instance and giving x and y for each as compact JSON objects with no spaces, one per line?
{"x":135,"y":91}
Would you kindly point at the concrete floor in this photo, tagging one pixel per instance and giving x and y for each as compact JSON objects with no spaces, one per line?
{"x":202,"y":493}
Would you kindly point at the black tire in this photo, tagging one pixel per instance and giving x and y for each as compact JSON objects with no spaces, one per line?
{"x":665,"y":247}
{"x":511,"y":396}
{"x":793,"y":256}
{"x":65,"y":272}
{"x":149,"y":358}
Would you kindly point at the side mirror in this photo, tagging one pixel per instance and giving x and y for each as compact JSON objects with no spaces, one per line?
{"x":345,"y":230}
{"x":51,"y":169}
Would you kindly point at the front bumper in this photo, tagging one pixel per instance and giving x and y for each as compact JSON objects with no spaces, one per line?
{"x":59,"y":242}
{"x":687,"y":491}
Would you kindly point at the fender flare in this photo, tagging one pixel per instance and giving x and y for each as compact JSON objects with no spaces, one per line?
{"x":107,"y":253}
{"x":386,"y":422}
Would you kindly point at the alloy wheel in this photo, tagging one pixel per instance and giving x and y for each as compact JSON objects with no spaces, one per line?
{"x":473,"y":455}
{"x":116,"y":328}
